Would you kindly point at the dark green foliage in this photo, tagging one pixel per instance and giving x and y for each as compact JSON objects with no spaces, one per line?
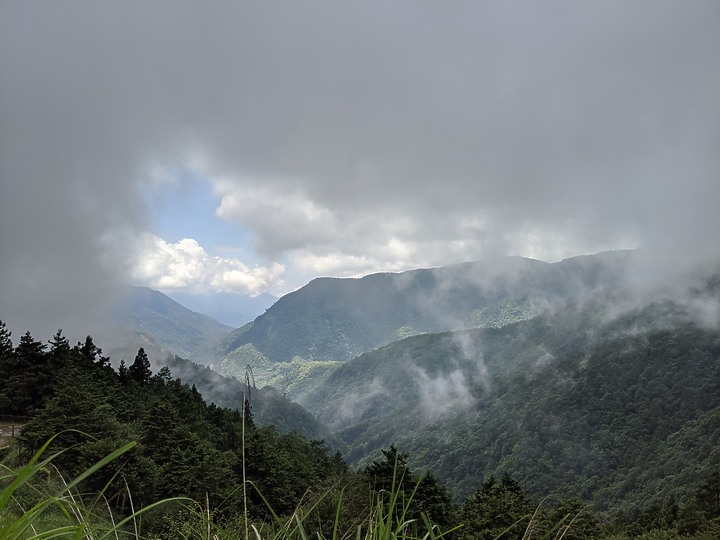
{"x":284,"y":468}
{"x":707,"y":497}
{"x":88,"y":356}
{"x":139,"y":371}
{"x":28,"y":377}
{"x":623,"y":411}
{"x":268,"y":405}
{"x":702,"y":515}
{"x":60,"y":346}
{"x":385,"y":474}
{"x":87,"y":428}
{"x":91,"y":353}
{"x":496,"y":507}
{"x":574,"y":519}
{"x":6,"y":367}
{"x":503,"y":508}
{"x":123,"y":374}
{"x":248,"y":414}
{"x":6,"y":346}
{"x":186,"y":447}
{"x":393,"y":474}
{"x":77,"y":407}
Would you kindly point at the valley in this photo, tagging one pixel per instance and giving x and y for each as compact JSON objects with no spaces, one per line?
{"x":559,"y":374}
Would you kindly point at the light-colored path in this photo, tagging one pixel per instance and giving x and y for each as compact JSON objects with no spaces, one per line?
{"x":6,"y":431}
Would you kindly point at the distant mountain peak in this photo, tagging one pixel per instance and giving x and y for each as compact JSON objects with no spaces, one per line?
{"x":155,"y":317}
{"x":339,"y":318}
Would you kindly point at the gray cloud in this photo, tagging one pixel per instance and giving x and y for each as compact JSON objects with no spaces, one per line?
{"x":406,"y":134}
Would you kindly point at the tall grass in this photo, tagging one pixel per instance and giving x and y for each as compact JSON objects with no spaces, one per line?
{"x":61,"y":511}
{"x":387,"y":519}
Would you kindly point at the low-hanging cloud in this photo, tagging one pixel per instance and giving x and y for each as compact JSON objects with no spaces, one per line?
{"x":454,"y":388}
{"x":443,"y":395}
{"x":355,"y":404}
{"x":354,"y":137}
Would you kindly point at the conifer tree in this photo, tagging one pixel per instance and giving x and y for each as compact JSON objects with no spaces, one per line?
{"x":6,"y":353}
{"x":29,"y":350}
{"x":391,"y":471}
{"x":30,"y":378}
{"x":6,"y":346}
{"x":91,"y":353}
{"x":164,"y":375}
{"x":139,"y":370}
{"x":123,"y":375}
{"x":495,"y":507}
{"x":59,"y":349}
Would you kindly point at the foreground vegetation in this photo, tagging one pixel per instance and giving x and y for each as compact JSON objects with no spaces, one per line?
{"x":37,"y":502}
{"x":127,"y":453}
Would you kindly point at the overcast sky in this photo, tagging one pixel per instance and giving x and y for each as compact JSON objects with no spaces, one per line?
{"x":251,"y":146}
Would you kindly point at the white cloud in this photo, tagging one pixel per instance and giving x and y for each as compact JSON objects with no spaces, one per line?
{"x":356,"y":403}
{"x":352,"y":258}
{"x":186,"y":265}
{"x":443,"y":394}
{"x":332,"y":264}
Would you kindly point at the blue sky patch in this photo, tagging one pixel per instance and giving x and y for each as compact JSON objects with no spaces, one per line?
{"x":185,"y":208}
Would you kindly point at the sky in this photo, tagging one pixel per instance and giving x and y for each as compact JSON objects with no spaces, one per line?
{"x":249,"y":147}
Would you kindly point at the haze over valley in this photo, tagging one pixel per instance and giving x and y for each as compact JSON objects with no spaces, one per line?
{"x":551,"y":371}
{"x":478,"y":239}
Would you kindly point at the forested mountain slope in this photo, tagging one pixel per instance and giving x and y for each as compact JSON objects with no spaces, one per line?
{"x":269,"y":406}
{"x":166,"y":324}
{"x":186,"y":447}
{"x":610,"y":397}
{"x":337,"y":319}
{"x":175,"y":444}
{"x":619,"y":408}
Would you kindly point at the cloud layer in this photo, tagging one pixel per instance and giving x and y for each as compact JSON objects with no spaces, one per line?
{"x":349,"y":138}
{"x":186,"y":265}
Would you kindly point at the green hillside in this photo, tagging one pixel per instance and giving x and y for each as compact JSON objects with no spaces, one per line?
{"x":338,"y":319}
{"x":607,"y":397}
{"x":161,"y":321}
{"x":623,"y":411}
{"x":269,"y":405}
{"x":295,"y":379}
{"x":176,"y":444}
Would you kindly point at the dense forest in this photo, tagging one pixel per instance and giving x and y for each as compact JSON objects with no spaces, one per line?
{"x":192,"y":449}
{"x":620,"y":411}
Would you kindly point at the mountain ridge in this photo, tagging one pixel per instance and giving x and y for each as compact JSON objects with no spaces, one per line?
{"x":562,"y":408}
{"x":338,"y":318}
{"x":167,"y":324}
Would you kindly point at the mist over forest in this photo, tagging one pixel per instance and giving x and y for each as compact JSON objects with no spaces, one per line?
{"x":371,"y":270}
{"x":562,"y":382}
